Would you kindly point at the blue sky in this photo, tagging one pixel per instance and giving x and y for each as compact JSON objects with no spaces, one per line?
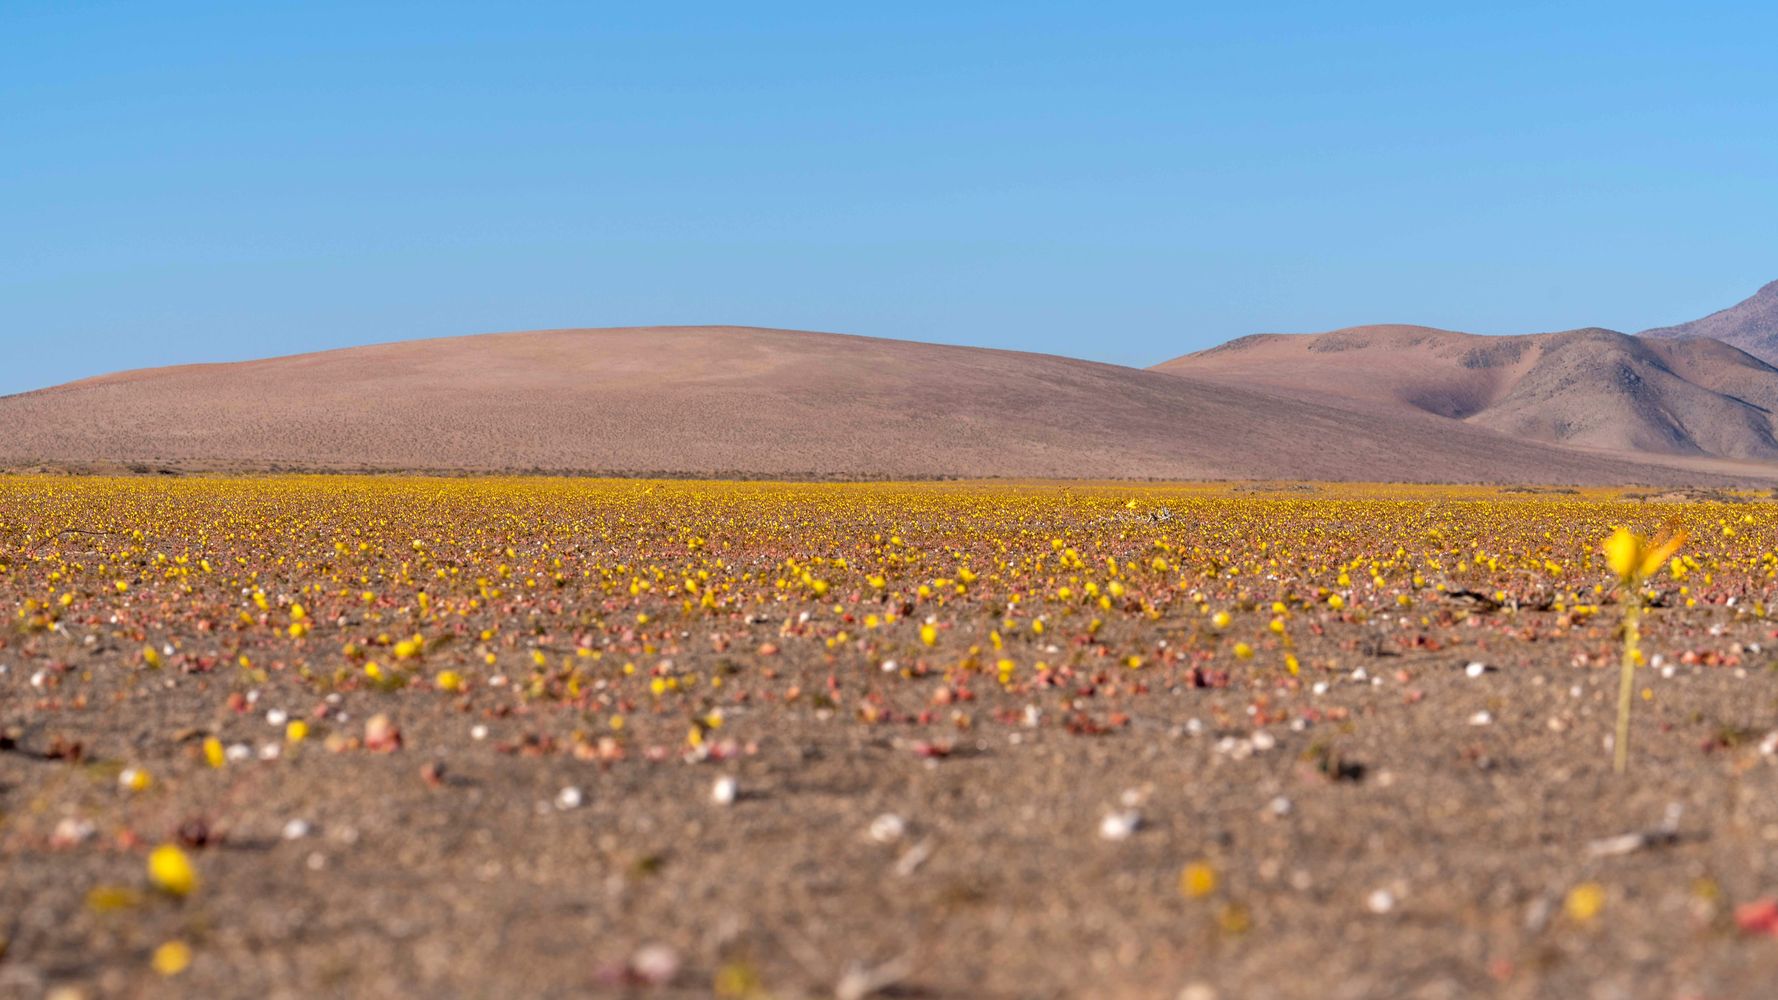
{"x":1126,"y":182}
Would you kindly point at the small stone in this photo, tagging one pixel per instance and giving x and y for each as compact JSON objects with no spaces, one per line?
{"x":1476,"y":669}
{"x":277,"y":717}
{"x":654,"y":964}
{"x":297,"y":829}
{"x":1380,"y":901}
{"x":887,"y":828}
{"x":72,"y":830}
{"x":1120,"y":825}
{"x":569,"y":798}
{"x":1481,"y":719}
{"x":381,"y":734}
{"x":725,"y":791}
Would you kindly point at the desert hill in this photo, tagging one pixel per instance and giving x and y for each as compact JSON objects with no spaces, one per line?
{"x":724,"y":401}
{"x":1751,"y":325}
{"x":1587,"y":388}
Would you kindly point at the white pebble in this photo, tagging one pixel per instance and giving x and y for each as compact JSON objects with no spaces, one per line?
{"x":887,"y":828}
{"x":1476,"y":669}
{"x":1280,"y":806}
{"x":72,"y":830}
{"x":1120,"y":825}
{"x":1263,"y":740}
{"x":297,"y":829}
{"x":277,"y":717}
{"x":1481,"y":719}
{"x":724,"y":791}
{"x":890,"y":666}
{"x":1319,"y":687}
{"x":1380,"y":901}
{"x":478,"y":732}
{"x":568,"y":798}
{"x":238,"y":752}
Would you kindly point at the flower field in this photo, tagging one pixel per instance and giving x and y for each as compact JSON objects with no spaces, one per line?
{"x":384,"y":736}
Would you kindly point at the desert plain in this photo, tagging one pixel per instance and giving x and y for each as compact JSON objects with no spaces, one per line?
{"x":297,"y":736}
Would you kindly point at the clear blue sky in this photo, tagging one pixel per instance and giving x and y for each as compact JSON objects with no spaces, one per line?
{"x":1126,"y":182}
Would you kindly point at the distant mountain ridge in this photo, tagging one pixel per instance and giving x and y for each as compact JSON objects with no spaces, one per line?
{"x":1589,"y":388}
{"x":751,"y":403}
{"x":1751,"y":325}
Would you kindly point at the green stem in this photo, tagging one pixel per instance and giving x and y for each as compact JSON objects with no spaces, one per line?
{"x":1627,"y":682}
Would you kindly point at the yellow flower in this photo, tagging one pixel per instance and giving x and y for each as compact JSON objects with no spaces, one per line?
{"x":296,"y":731}
{"x":449,"y":680}
{"x":170,"y":959}
{"x":1197,"y":880}
{"x":213,"y":752}
{"x":929,"y":635}
{"x":1633,"y":557}
{"x":171,"y":871}
{"x":1584,"y":901}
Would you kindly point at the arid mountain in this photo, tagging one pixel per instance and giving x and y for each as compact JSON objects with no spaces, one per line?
{"x":1751,"y":325}
{"x":1583,"y":388}
{"x":751,"y":402}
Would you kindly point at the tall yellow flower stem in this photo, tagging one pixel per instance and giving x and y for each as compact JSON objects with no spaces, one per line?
{"x":1634,"y":559}
{"x":1627,"y":681}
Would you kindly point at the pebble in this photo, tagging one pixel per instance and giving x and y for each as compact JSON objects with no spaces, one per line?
{"x":569,"y":798}
{"x":1380,"y":901}
{"x":1120,"y":825}
{"x":655,"y":964}
{"x":277,"y":717}
{"x":478,"y":732}
{"x":725,"y":791}
{"x":1280,"y":806}
{"x":1476,"y":669}
{"x":887,"y":828}
{"x":297,"y":829}
{"x":1481,"y":719}
{"x":71,"y":830}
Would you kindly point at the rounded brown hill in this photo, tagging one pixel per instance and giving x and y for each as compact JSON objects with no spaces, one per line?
{"x":1582,"y":388}
{"x":723,"y":401}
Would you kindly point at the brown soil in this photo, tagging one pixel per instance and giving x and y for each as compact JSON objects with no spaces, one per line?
{"x":1390,"y":849}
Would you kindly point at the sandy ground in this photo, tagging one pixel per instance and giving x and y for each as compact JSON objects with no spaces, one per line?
{"x":1437,"y":867}
{"x":1392,"y":823}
